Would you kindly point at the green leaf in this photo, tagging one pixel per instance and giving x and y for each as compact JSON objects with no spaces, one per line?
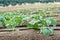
{"x":7,"y":17}
{"x":38,"y":17}
{"x":35,"y":26}
{"x":1,"y":18}
{"x":33,"y":21}
{"x":53,"y":22}
{"x":46,"y":31}
{"x":17,"y":19}
{"x":51,"y":30}
{"x":27,"y":18}
{"x":48,"y":21}
{"x":43,"y":22}
{"x":10,"y":24}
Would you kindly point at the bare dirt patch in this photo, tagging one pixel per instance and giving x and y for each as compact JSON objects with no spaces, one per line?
{"x":28,"y":35}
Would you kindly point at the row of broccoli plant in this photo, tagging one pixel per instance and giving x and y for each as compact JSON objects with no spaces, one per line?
{"x":41,"y":21}
{"x":37,"y":20}
{"x":9,"y":19}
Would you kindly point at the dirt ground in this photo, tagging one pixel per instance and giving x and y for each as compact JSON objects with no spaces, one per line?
{"x":28,"y":35}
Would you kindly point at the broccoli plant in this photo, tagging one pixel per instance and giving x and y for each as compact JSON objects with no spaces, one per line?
{"x":41,"y":21}
{"x":2,"y":24}
{"x":11,"y":19}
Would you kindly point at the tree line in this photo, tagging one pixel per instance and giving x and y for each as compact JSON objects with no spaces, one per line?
{"x":14,"y":2}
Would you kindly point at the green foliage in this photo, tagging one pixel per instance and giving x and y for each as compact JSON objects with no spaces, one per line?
{"x":50,"y":20}
{"x":10,"y":19}
{"x":36,"y":20}
{"x":40,"y":20}
{"x":46,"y":31}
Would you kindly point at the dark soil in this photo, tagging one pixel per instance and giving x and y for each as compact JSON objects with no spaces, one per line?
{"x":28,"y":35}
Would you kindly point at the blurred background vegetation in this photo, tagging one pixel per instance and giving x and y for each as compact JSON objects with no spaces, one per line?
{"x":14,"y":2}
